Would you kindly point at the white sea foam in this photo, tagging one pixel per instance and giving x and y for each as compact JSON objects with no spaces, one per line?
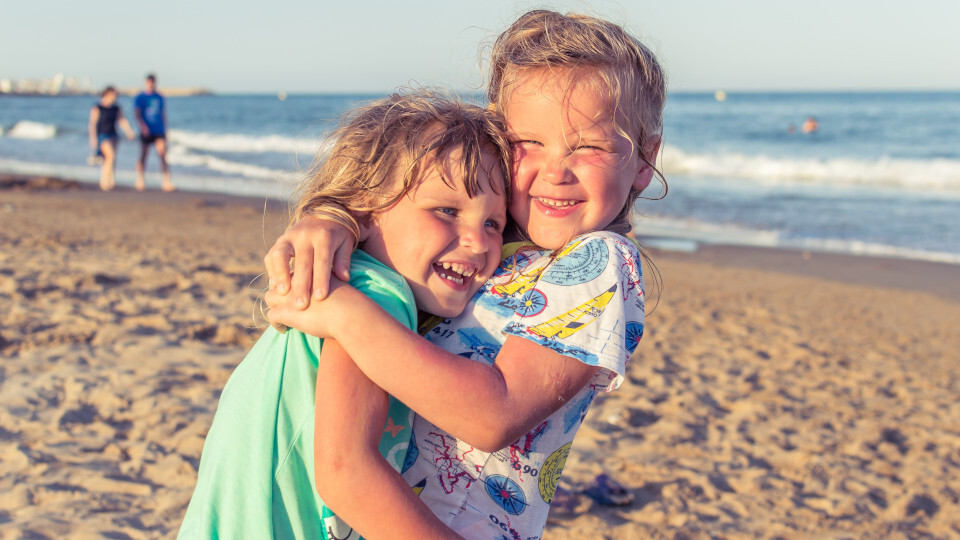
{"x":231,"y":142}
{"x":277,"y":187}
{"x":856,"y":247}
{"x":941,"y":174}
{"x":28,"y":129}
{"x":180,"y":155}
{"x":683,"y":234}
{"x":709,"y":233}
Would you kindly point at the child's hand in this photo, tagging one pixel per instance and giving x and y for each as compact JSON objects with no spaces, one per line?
{"x":319,"y":318}
{"x":315,"y":246}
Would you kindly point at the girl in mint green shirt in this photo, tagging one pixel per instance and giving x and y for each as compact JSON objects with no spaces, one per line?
{"x":302,"y":443}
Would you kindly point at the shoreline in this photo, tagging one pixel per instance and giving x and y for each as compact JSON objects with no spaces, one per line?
{"x":936,"y":278}
{"x":771,"y":395}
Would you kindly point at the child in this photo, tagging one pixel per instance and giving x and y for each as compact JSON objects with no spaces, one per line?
{"x":583,"y":103}
{"x":406,"y":163}
{"x":104,"y":117}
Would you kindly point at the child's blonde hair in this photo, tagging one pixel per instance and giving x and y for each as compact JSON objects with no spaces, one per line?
{"x":379,"y":152}
{"x":603,"y":55}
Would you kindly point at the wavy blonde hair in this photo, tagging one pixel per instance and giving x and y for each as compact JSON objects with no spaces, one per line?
{"x":380,"y":150}
{"x":599,"y":54}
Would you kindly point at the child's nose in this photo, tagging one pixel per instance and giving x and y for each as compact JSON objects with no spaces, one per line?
{"x":555,"y":171}
{"x":474,"y":238}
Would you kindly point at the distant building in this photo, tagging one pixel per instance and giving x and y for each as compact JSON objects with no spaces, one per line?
{"x":66,"y":85}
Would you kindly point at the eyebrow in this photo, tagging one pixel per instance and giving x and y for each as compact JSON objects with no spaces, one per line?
{"x":597,"y":138}
{"x":451,"y":197}
{"x":592,"y":133}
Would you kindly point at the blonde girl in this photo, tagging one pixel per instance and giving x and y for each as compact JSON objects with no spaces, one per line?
{"x":299,"y":429}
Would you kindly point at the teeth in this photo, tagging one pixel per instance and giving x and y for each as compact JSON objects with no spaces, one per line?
{"x":556,"y":203}
{"x":458,"y":281}
{"x":463,"y":270}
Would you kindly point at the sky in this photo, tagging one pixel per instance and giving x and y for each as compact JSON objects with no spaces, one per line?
{"x":378,"y":45}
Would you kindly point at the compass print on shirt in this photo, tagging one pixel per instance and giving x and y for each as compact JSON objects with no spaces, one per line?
{"x":506,"y":493}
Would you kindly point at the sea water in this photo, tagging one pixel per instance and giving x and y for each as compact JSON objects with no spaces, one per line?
{"x":881,"y":175}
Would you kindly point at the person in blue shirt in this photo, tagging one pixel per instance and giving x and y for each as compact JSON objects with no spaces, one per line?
{"x":152,"y":117}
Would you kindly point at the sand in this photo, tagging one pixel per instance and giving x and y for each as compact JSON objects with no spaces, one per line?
{"x":775,"y":394}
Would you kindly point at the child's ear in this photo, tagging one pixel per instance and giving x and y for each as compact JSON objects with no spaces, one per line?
{"x":645,"y":174}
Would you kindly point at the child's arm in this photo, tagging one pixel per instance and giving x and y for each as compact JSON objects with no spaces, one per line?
{"x":92,"y":126}
{"x":320,"y":245}
{"x":526,"y":384}
{"x":353,"y":479}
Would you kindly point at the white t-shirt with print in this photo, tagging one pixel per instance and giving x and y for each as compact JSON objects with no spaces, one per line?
{"x":587,"y":303}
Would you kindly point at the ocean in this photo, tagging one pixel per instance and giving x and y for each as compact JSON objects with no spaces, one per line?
{"x":880,"y":177}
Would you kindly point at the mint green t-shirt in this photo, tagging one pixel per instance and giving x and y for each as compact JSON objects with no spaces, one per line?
{"x":256,"y":475}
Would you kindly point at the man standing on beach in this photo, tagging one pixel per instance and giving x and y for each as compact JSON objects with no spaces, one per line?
{"x":152,"y":117}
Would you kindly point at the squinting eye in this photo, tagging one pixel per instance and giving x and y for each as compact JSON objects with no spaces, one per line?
{"x":447,"y":211}
{"x":524,"y":143}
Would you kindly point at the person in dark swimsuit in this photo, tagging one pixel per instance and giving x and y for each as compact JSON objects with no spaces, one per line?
{"x":104,"y":117}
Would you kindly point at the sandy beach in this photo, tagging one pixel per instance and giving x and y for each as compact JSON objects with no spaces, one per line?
{"x":775,"y":394}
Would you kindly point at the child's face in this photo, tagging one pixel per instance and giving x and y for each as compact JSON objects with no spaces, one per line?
{"x":443,"y":242}
{"x":572,"y":170}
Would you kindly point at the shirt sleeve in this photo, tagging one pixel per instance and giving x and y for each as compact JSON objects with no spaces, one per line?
{"x":385,"y":287}
{"x":587,"y":304}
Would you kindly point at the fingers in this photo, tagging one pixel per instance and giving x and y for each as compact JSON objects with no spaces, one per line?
{"x":302,"y":277}
{"x":329,"y":260}
{"x":341,"y":261}
{"x":277,"y":261}
{"x":272,"y":312}
{"x":317,"y":248}
{"x":321,"y":275}
{"x":272,"y":299}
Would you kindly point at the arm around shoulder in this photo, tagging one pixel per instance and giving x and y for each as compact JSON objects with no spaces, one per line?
{"x":317,"y":247}
{"x":502,"y":401}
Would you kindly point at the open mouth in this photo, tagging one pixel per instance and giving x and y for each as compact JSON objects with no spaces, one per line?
{"x":454,"y":272}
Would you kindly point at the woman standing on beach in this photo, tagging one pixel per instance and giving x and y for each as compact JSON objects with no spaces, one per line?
{"x":103,"y":134}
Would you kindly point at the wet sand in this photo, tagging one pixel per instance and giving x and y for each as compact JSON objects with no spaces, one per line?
{"x":774,"y":394}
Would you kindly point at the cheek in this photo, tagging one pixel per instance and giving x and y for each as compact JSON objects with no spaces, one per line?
{"x":520,"y":186}
{"x":496,"y":244}
{"x":518,"y":207}
{"x":493,"y":261}
{"x":524,"y":169}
